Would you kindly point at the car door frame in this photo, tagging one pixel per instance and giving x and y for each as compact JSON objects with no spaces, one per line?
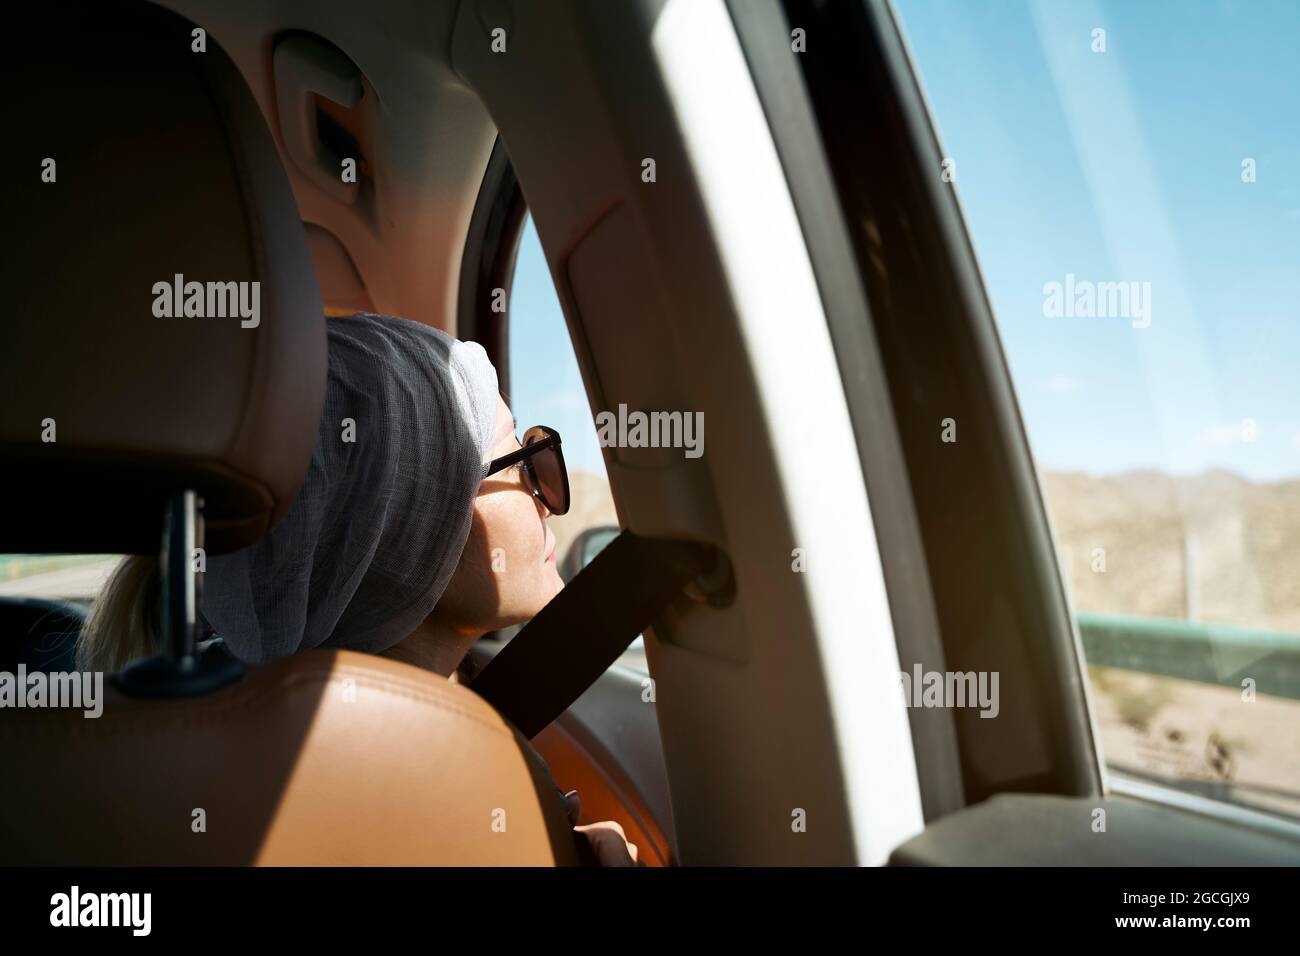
{"x":606,"y":730}
{"x":978,"y":502}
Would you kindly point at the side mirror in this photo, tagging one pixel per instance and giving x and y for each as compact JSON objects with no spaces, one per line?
{"x":584,"y":549}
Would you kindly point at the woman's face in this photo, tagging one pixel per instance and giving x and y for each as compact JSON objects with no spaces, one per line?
{"x":508,"y":571}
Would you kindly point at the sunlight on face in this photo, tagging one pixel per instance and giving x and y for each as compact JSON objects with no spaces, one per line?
{"x":508,"y":571}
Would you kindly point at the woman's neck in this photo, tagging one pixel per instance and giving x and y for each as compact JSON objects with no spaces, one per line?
{"x":434,"y":646}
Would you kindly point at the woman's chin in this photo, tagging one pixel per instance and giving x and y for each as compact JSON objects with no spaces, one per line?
{"x":554,"y":583}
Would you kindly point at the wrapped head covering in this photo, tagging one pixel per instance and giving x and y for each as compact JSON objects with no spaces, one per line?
{"x":379,"y":525}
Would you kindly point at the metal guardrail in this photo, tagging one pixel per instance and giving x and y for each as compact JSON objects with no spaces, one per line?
{"x":1207,"y":653}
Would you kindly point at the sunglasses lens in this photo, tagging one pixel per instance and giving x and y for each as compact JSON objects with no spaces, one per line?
{"x":547,"y":469}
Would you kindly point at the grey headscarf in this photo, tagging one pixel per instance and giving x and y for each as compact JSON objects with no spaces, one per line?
{"x":379,"y":525}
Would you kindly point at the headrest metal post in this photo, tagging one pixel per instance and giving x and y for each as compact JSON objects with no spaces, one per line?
{"x":182,"y":670}
{"x":181,"y":583}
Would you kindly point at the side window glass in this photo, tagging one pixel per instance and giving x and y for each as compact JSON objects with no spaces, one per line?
{"x":71,"y":577}
{"x":1136,"y":225}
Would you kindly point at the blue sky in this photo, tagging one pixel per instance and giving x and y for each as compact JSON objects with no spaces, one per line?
{"x":1115,"y":166}
{"x":1126,"y":166}
{"x":545,"y":386}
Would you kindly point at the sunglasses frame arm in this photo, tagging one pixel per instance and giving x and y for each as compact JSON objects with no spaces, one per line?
{"x":532,"y":448}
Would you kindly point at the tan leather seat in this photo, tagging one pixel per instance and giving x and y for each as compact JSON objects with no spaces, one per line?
{"x":164,"y":166}
{"x":324,"y":758}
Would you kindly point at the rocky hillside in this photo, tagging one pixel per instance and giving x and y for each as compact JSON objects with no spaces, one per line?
{"x":1216,"y":543}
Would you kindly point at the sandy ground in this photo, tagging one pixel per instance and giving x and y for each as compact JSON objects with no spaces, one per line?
{"x":1201,"y":738}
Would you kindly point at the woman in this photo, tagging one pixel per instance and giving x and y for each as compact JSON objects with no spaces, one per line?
{"x":415,"y":532}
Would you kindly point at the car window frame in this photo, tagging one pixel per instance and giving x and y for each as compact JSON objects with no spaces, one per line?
{"x":908,"y":134}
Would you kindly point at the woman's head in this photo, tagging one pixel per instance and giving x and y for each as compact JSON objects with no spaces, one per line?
{"x":393,"y":520}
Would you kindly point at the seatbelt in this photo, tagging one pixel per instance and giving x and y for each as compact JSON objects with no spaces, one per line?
{"x":583,"y":630}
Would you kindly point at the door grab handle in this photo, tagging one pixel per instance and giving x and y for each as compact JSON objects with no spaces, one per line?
{"x":306,"y":67}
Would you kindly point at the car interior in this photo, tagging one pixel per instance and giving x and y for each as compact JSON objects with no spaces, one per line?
{"x":724,"y":236}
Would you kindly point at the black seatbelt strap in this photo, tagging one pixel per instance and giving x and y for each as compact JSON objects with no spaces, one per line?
{"x":582,"y":631}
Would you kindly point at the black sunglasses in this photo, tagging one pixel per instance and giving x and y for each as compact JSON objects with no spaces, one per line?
{"x":543,"y":467}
